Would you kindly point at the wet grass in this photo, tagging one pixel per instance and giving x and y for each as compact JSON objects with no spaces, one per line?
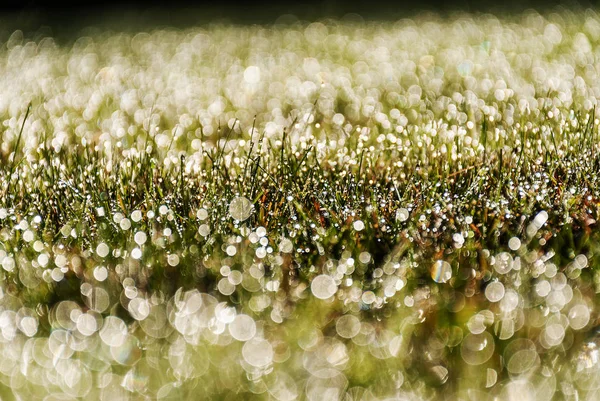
{"x":323,"y":235}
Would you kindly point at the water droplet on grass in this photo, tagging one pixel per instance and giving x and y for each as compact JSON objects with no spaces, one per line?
{"x":347,"y":326}
{"x":520,"y":356}
{"x":231,"y":250}
{"x":240,"y":208}
{"x":128,"y":352}
{"x":543,"y":288}
{"x":514,"y":243}
{"x":100,"y":273}
{"x":503,"y":263}
{"x":440,"y":373}
{"x":98,"y":299}
{"x":202,"y":214}
{"x":140,"y":238}
{"x":552,"y":335}
{"x":522,"y":360}
{"x":28,"y":325}
{"x":441,"y":271}
{"x":204,"y":230}
{"x":402,"y":214}
{"x":579,"y":316}
{"x":477,"y":348}
{"x":138,"y":308}
{"x":358,"y":225}
{"x":102,"y":250}
{"x":136,"y":216}
{"x":173,"y":260}
{"x":136,"y":253}
{"x":225,"y":287}
{"x":8,"y":263}
{"x":458,"y":239}
{"x":491,"y":378}
{"x":252,"y":74}
{"x":286,"y":246}
{"x":323,"y":286}
{"x":494,"y":292}
{"x":364,"y":257}
{"x":368,"y":297}
{"x":86,"y":324}
{"x":243,"y":328}
{"x":113,"y":332}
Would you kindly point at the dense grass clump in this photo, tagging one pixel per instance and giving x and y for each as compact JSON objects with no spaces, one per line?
{"x":319,"y":211}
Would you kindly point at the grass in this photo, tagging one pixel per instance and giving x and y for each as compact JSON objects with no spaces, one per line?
{"x":321,"y":211}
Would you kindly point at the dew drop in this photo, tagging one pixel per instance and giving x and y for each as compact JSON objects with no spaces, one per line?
{"x":441,"y":271}
{"x":113,"y":332}
{"x":491,"y":377}
{"x":140,"y":238}
{"x":202,"y":214}
{"x":243,"y":328}
{"x":494,"y":292}
{"x":402,"y":214}
{"x":477,"y":349}
{"x":136,"y":216}
{"x":347,"y":326}
{"x":514,"y":243}
{"x":285,"y":246}
{"x":100,"y":273}
{"x":358,"y":225}
{"x":240,"y":208}
{"x":136,"y":253}
{"x":579,"y":316}
{"x":503,"y":263}
{"x":86,"y":324}
{"x":323,"y":286}
{"x":252,"y":75}
{"x":102,"y":250}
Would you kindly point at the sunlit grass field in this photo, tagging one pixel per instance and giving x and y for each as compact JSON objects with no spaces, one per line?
{"x":332,"y":210}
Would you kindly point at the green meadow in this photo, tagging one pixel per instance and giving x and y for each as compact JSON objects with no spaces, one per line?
{"x":332,"y":210}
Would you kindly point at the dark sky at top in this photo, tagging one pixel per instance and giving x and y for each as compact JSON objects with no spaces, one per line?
{"x":64,"y":17}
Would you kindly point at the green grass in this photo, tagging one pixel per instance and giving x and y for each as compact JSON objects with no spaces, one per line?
{"x":418,"y":207}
